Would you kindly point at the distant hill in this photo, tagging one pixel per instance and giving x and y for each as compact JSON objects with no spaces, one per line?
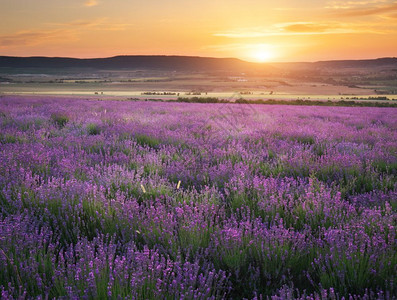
{"x":170,"y":63}
{"x":386,"y":62}
{"x":187,"y":63}
{"x":365,"y":63}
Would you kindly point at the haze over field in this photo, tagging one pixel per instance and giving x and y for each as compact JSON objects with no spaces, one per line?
{"x":171,"y":77}
{"x":253,"y":30}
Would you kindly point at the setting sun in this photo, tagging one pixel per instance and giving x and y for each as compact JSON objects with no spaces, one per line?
{"x":259,"y":53}
{"x":262,"y":56}
{"x":258,"y":31}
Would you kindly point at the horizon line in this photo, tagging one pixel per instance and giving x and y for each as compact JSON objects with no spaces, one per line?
{"x":197,"y":56}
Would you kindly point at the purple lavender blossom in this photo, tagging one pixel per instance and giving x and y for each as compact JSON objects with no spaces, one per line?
{"x":144,"y":200}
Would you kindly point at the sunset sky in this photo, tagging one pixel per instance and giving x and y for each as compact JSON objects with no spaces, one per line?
{"x":254,"y":30}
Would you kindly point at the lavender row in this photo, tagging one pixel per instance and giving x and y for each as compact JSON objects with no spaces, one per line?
{"x":144,"y":200}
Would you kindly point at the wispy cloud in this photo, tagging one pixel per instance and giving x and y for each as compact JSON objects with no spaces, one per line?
{"x":377,"y":8}
{"x":238,"y":46}
{"x":368,"y":11}
{"x":59,"y":32}
{"x":36,"y":37}
{"x":96,"y":24}
{"x":90,"y":3}
{"x":391,"y":16}
{"x":311,"y":28}
{"x":294,"y":28}
{"x":354,"y":4}
{"x":244,"y":33}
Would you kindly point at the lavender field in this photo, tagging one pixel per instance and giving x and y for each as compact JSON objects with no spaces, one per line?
{"x":149,"y":200}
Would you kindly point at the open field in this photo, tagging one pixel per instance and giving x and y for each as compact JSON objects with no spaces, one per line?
{"x":203,"y":84}
{"x":159,"y":200}
{"x":277,"y":84}
{"x":102,"y":94}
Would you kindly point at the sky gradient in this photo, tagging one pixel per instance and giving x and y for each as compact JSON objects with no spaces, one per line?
{"x":253,"y":30}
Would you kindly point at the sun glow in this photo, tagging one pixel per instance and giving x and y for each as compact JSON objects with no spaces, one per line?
{"x":262,"y":56}
{"x":260,"y":53}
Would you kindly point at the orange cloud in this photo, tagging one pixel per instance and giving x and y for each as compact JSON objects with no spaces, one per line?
{"x":368,"y":11}
{"x":353,"y":4}
{"x":25,"y":38}
{"x":308,"y":27}
{"x":96,"y":24}
{"x":60,"y":32}
{"x":296,"y":28}
{"x":90,"y":3}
